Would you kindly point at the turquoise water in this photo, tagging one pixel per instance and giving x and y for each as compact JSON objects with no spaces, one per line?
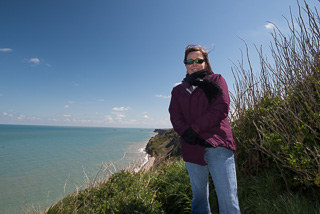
{"x":41,"y":164}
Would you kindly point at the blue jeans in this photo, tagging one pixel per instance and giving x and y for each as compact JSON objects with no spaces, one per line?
{"x":221,"y":165}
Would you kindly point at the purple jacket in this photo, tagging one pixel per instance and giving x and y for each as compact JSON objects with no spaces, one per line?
{"x":208,"y":120}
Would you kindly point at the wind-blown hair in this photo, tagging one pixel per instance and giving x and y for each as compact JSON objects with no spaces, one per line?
{"x":194,"y":47}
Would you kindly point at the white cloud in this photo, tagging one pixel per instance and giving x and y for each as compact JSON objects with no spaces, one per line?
{"x":53,"y":119}
{"x":270,"y":26}
{"x":5,"y":49}
{"x":119,"y":115}
{"x":163,"y":96}
{"x":121,"y":108}
{"x":109,"y":119}
{"x":21,"y":117}
{"x":34,"y":61}
{"x":101,"y":100}
{"x":34,"y":118}
{"x":145,"y":116}
{"x":7,"y":114}
{"x":68,"y":105}
{"x":67,"y":118}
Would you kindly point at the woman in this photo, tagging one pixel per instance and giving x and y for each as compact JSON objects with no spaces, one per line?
{"x":198,"y":112}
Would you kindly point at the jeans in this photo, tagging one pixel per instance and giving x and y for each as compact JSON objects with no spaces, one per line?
{"x":221,"y":165}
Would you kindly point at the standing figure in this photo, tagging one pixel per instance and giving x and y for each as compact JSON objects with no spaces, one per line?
{"x":198,"y":110}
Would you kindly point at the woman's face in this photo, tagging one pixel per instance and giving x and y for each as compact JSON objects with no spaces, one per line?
{"x":194,"y":67}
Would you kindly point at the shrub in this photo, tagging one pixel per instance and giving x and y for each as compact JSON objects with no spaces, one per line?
{"x":276,"y":122}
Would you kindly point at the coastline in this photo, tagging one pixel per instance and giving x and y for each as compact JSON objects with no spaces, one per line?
{"x":146,"y":165}
{"x":163,"y":145}
{"x":150,"y":158}
{"x":56,"y":161}
{"x":149,"y":164}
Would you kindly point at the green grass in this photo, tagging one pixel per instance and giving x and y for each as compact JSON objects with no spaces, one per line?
{"x":167,"y":190}
{"x":267,"y":193}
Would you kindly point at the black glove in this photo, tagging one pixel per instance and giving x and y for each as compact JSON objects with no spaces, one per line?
{"x":204,"y":143}
{"x":211,"y":89}
{"x":190,"y":136}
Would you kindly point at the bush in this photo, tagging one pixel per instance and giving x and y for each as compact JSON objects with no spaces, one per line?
{"x":276,"y":123}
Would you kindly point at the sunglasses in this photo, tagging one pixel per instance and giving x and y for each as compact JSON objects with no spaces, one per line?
{"x":191,"y":61}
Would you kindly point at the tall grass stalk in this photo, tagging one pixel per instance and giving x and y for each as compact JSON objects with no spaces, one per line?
{"x":277,"y":109}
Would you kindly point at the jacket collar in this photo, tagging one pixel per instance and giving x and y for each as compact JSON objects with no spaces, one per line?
{"x":185,"y":84}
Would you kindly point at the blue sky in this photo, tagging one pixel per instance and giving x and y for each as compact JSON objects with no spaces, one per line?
{"x":113,"y":63}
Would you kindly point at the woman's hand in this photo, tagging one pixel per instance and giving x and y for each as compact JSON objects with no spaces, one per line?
{"x":190,"y":136}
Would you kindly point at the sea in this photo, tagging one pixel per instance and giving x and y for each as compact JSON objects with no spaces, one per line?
{"x":39,"y":165}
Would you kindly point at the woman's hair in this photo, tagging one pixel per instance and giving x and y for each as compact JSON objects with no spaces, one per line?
{"x":194,"y":47}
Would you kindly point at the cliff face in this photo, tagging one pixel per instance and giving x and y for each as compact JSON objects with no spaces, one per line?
{"x":164,"y":145}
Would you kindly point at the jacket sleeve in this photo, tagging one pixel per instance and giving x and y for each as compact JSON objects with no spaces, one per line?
{"x":217,"y":110}
{"x":176,"y":116}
